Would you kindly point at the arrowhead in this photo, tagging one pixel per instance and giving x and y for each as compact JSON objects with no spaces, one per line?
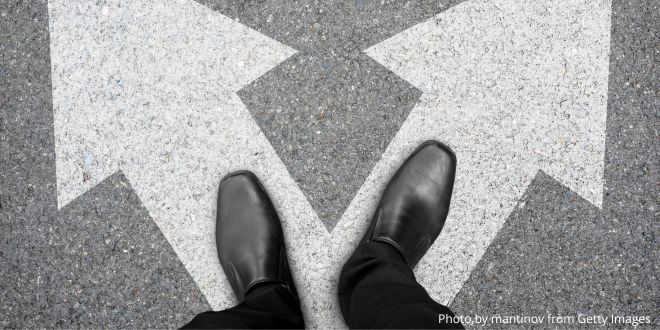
{"x":527,"y":79}
{"x":148,"y":88}
{"x":513,"y":87}
{"x":125,"y":74}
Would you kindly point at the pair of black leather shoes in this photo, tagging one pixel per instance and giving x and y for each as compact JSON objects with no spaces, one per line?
{"x":409,"y":217}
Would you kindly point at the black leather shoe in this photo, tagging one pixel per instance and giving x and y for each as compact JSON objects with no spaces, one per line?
{"x":415,"y":203}
{"x":249,"y":236}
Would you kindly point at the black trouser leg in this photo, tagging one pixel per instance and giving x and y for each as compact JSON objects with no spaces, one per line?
{"x":377,"y":289}
{"x":269,"y":306}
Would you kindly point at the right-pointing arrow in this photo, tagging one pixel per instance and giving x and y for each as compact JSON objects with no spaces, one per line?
{"x":513,"y":87}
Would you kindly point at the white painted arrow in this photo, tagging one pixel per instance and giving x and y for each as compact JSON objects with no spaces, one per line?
{"x":148,"y":88}
{"x":514,"y":87}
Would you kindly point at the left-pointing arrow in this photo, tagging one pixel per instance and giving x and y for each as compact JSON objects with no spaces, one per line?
{"x":148,"y":88}
{"x":98,"y":262}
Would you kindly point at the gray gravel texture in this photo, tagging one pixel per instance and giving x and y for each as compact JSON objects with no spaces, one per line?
{"x":559,"y":254}
{"x":330,"y":111}
{"x":99,"y":262}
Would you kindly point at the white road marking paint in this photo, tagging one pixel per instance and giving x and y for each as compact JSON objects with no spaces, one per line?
{"x":149,"y":89}
{"x":513,"y":87}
